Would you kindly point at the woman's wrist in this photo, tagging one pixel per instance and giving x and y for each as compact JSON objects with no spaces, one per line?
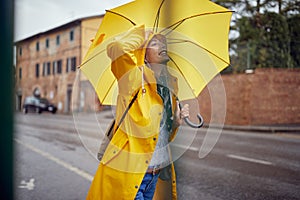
{"x":176,"y":123}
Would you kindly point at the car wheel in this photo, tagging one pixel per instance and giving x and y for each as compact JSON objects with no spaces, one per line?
{"x":38,"y":110}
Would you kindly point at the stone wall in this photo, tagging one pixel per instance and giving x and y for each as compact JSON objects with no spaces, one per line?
{"x":267,"y":96}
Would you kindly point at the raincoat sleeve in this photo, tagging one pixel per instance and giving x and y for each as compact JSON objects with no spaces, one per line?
{"x":122,"y":50}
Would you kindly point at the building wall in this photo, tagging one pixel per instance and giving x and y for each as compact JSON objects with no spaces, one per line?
{"x":267,"y":96}
{"x":54,"y":85}
{"x":89,"y":29}
{"x":58,"y":88}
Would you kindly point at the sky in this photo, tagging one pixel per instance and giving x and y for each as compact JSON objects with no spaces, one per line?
{"x":35,"y":16}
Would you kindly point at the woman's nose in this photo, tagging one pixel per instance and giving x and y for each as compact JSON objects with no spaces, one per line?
{"x":162,"y":45}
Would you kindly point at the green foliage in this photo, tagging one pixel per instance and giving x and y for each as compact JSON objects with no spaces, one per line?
{"x":294,"y":29}
{"x":274,"y":41}
{"x":268,"y":34}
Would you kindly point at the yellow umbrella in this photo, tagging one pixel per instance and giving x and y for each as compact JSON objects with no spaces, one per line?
{"x":197,"y":34}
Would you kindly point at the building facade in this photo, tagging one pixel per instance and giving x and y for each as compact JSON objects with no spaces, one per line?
{"x":47,"y":65}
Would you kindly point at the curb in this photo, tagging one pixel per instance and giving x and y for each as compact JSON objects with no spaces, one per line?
{"x":265,"y":129}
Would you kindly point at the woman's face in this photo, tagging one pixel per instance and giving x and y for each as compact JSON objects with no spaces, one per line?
{"x":156,"y":51}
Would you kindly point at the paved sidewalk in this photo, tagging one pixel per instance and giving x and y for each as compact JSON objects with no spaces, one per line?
{"x":294,"y":128}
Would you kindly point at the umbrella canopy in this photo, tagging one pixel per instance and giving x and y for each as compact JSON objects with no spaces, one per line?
{"x":197,"y":34}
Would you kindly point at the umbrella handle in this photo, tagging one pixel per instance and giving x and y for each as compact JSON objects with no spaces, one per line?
{"x":191,"y":124}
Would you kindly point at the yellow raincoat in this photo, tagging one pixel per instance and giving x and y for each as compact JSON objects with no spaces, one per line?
{"x":129,"y":153}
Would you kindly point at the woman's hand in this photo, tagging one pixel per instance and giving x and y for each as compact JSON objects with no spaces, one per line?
{"x":180,"y":114}
{"x":148,"y":33}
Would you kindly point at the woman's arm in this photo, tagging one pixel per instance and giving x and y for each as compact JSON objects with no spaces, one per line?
{"x":126,"y":43}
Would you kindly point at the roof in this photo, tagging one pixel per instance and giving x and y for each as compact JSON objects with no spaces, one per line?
{"x":71,"y":23}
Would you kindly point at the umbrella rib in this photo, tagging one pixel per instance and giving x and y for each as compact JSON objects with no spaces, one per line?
{"x":108,"y":90}
{"x":181,"y":73}
{"x":172,"y":27}
{"x":133,"y":23}
{"x":205,"y":49}
{"x":155,"y":25}
{"x":92,"y":58}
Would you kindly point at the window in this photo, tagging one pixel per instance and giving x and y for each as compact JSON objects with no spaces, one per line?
{"x":20,"y":51}
{"x":71,"y":64}
{"x":59,"y":66}
{"x":37,"y":70}
{"x":48,"y":68}
{"x":57,"y":40}
{"x":71,"y":35}
{"x":47,"y":43}
{"x":37,"y":46}
{"x":20,"y":73}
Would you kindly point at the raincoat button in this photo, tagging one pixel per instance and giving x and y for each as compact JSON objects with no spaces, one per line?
{"x":146,"y":162}
{"x":136,"y":187}
{"x":114,"y":152}
{"x":154,"y":138}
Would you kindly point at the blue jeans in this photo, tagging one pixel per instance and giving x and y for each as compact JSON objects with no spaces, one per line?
{"x":147,"y":187}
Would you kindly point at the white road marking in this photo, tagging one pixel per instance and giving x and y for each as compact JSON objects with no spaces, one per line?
{"x":185,"y":147}
{"x":27,"y":185}
{"x":58,"y":161}
{"x":249,"y":159}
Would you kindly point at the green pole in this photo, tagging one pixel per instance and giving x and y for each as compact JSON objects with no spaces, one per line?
{"x":6,"y":105}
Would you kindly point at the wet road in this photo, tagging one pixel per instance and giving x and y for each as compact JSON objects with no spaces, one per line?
{"x":55,"y":159}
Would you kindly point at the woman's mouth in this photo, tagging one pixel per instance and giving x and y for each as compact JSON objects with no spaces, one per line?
{"x":163,"y":53}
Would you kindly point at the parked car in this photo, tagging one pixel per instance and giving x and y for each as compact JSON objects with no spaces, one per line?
{"x":38,"y":105}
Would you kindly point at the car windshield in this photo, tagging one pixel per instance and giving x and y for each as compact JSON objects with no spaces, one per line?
{"x":44,"y":101}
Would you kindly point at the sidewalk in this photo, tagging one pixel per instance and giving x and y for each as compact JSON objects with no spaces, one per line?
{"x":294,"y":128}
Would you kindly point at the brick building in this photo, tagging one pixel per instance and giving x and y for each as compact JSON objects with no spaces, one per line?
{"x":47,"y":62}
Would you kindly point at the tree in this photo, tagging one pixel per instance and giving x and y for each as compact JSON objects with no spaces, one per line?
{"x":274,"y":41}
{"x":267,"y":33}
{"x":284,"y":7}
{"x":294,"y":30}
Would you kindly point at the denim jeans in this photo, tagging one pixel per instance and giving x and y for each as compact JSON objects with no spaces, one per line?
{"x":147,"y":187}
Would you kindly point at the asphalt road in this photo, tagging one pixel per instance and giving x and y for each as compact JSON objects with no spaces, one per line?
{"x":55,"y":159}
